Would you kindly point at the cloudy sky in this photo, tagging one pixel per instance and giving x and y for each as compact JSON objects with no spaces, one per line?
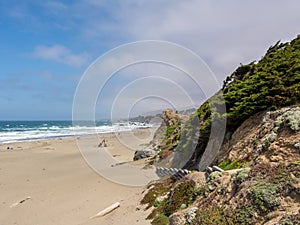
{"x":46,"y":46}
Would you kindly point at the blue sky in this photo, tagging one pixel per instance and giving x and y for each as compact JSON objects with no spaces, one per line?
{"x":47,"y":45}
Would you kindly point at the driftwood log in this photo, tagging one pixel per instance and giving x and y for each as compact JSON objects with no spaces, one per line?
{"x":106,"y":210}
{"x":20,"y":202}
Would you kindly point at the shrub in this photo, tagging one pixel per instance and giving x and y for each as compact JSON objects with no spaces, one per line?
{"x":294,"y":120}
{"x":214,"y":175}
{"x":243,"y":215}
{"x":263,"y":195}
{"x":213,"y":215}
{"x":241,"y":175}
{"x":171,"y":129}
{"x":160,"y":220}
{"x":183,"y":193}
{"x":158,"y":189}
{"x":290,"y":220}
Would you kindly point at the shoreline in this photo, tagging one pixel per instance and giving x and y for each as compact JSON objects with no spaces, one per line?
{"x":75,"y":136}
{"x":63,"y":189}
{"x":19,"y":131}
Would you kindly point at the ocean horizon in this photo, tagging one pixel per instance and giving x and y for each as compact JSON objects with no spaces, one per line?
{"x":27,"y":130}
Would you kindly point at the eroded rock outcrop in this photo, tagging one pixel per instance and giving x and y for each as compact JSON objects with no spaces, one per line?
{"x":271,"y":136}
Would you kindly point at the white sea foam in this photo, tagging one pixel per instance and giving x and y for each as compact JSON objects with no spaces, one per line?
{"x":22,"y":133}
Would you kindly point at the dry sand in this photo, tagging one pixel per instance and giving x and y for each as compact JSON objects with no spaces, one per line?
{"x":63,"y":189}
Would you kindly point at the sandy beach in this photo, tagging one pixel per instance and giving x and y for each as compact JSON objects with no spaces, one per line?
{"x":57,"y":185}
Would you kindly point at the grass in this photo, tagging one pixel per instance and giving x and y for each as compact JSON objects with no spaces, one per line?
{"x":230,"y":165}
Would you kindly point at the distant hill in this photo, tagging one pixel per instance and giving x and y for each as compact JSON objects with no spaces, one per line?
{"x":147,"y":117}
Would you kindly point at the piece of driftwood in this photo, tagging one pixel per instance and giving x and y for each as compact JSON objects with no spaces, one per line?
{"x":106,"y":210}
{"x":20,"y":202}
{"x":216,"y":168}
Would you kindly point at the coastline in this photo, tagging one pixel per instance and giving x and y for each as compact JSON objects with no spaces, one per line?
{"x":62,"y":188}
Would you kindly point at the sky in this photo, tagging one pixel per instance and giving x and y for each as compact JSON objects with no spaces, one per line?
{"x":46,"y":47}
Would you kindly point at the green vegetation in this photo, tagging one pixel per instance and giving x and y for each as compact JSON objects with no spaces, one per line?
{"x":241,"y":175}
{"x":214,"y":175}
{"x":243,"y":215}
{"x":160,"y":220}
{"x":171,"y":129}
{"x":267,"y":184}
{"x":290,"y":220}
{"x":296,"y":162}
{"x":271,"y":83}
{"x":291,"y":118}
{"x":264,"y":196}
{"x":251,"y":195}
{"x":188,"y":141}
{"x":157,"y":189}
{"x":294,"y":121}
{"x":279,"y":175}
{"x":262,"y":188}
{"x":213,"y":215}
{"x":183,"y":193}
{"x":235,"y":164}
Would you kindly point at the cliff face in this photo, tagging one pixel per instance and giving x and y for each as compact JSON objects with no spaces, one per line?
{"x":260,"y":184}
{"x":266,"y":85}
{"x":167,"y":135}
{"x":269,"y":136}
{"x":259,"y":152}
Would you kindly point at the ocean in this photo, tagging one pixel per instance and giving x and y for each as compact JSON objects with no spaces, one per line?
{"x":16,"y":131}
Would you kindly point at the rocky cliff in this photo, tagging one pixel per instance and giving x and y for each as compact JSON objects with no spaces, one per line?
{"x":266,"y":85}
{"x":268,"y":136}
{"x":259,"y":153}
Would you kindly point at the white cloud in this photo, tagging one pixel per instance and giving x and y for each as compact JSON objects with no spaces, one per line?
{"x":61,"y":54}
{"x":223,"y":33}
{"x":218,"y":30}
